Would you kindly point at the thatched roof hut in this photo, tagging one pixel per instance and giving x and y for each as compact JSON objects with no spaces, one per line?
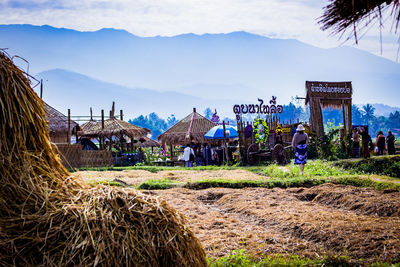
{"x":340,"y":15}
{"x":88,"y":127}
{"x":190,"y":129}
{"x":58,"y":125}
{"x":114,"y":127}
{"x":146,"y":142}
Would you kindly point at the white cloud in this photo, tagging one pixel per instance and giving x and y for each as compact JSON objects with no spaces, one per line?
{"x":279,"y":18}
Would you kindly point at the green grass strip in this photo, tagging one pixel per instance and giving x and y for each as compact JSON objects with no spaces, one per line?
{"x":240,"y":258}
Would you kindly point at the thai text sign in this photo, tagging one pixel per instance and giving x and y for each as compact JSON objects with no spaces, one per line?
{"x":336,"y":90}
{"x":260,"y":108}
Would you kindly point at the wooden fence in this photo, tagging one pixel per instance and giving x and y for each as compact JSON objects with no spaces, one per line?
{"x":72,"y":156}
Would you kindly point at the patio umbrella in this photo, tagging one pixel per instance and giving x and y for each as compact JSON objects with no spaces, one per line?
{"x":217,"y":132}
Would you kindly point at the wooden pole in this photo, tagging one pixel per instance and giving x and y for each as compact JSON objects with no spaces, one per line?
{"x":41,"y":88}
{"x":102,"y":128}
{"x":69,"y":127}
{"x":344,"y":118}
{"x":121,"y":115}
{"x":91,"y":114}
{"x":102,"y":119}
{"x":225,"y":147}
{"x":172,"y":152}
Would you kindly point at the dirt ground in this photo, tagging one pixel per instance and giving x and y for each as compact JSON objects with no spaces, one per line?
{"x":136,"y":177}
{"x":323,"y":220}
{"x":361,"y":223}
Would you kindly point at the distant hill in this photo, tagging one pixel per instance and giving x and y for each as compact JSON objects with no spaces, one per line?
{"x":65,"y":89}
{"x":383,"y":110}
{"x":208,"y":67}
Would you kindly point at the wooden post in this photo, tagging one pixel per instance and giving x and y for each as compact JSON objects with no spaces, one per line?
{"x":240,"y":134}
{"x":91,"y":114}
{"x":121,"y":115}
{"x":41,"y":88}
{"x":69,"y":127}
{"x":225,"y":146}
{"x":344,"y":118}
{"x":102,"y":145}
{"x":172,"y":152}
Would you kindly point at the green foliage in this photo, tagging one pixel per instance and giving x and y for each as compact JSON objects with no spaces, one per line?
{"x":313,"y":168}
{"x":365,"y":182}
{"x":153,"y":122}
{"x":263,"y":136}
{"x":158,"y":184}
{"x":384,"y":165}
{"x":241,"y":258}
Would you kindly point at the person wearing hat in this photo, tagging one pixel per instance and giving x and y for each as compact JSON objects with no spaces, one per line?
{"x":299,"y":143}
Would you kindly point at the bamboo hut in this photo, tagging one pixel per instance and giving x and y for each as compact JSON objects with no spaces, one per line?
{"x":146,"y":142}
{"x":190,"y":129}
{"x":58,"y":125}
{"x":114,"y":127}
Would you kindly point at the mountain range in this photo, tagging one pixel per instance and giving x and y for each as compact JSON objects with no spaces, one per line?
{"x":173,"y":74}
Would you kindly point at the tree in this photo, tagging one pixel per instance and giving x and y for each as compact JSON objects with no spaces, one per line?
{"x":208,"y":113}
{"x":368,"y":113}
{"x":171,"y":121}
{"x":356,"y":115}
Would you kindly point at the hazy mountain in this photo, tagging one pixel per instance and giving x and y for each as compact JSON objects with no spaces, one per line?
{"x":237,"y":65}
{"x":383,"y":110}
{"x":68,"y":90}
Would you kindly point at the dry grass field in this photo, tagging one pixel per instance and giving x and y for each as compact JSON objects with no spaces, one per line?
{"x":362,"y":224}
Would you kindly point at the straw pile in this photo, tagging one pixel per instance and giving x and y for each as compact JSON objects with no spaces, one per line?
{"x":48,"y":218}
{"x":340,"y":15}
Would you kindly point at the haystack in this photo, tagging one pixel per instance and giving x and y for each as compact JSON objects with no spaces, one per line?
{"x":192,"y":128}
{"x":48,"y":219}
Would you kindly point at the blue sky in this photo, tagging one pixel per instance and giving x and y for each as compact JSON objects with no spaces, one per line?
{"x":273,"y":18}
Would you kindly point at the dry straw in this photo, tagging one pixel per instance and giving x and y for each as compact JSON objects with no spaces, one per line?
{"x":50,"y":219}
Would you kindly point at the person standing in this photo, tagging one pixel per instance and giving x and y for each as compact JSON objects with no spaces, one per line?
{"x":278,"y":138}
{"x":299,"y":143}
{"x":365,"y":140}
{"x":188,"y":155}
{"x":380,"y":143}
{"x":356,"y":143}
{"x":390,"y":139}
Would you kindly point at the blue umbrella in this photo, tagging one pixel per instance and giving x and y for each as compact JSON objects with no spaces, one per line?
{"x":217,"y":132}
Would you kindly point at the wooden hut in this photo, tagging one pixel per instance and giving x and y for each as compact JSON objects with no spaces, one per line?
{"x":114,"y":127}
{"x":146,"y":142}
{"x":58,"y":125}
{"x":191,"y":129}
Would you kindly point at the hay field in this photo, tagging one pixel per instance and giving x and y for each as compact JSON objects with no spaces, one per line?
{"x":360,"y":223}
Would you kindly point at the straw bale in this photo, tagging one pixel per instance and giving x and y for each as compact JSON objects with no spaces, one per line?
{"x":194,"y":125}
{"x":48,"y":218}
